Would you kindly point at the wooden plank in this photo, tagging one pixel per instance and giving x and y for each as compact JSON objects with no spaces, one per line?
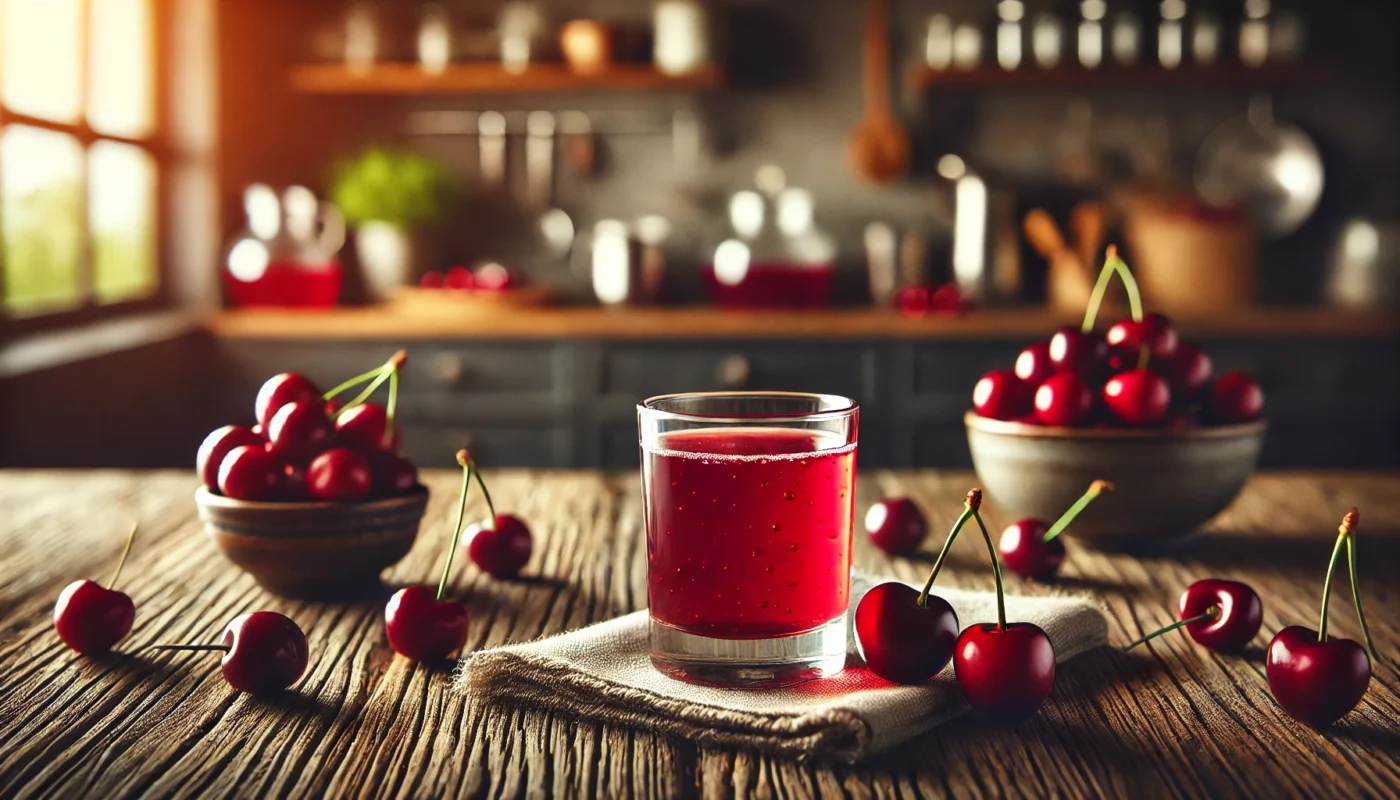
{"x":491,"y":78}
{"x":1171,"y":719}
{"x":711,"y":324}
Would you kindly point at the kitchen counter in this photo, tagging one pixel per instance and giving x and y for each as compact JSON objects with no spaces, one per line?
{"x":687,"y":322}
{"x":1169,"y":718}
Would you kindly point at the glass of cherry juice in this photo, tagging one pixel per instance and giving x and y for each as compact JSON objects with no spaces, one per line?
{"x":749,"y":505}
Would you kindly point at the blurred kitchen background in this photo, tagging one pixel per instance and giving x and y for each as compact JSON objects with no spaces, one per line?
{"x":561,"y":208}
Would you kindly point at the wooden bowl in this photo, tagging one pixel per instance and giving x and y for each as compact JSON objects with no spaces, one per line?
{"x":1168,"y":483}
{"x":313,"y":550}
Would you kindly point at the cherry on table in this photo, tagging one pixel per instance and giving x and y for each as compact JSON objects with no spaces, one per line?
{"x":1001,"y":395}
{"x":1235,"y":397}
{"x":299,"y":430}
{"x":1033,"y":365}
{"x":1218,"y":614}
{"x":90,"y":618}
{"x":278,"y":391}
{"x":1063,"y":400}
{"x":1083,"y":354}
{"x":420,"y":622}
{"x":1317,"y":678}
{"x":503,"y":549}
{"x":264,"y":652}
{"x":217,"y":445}
{"x":363,"y":428}
{"x":459,"y":277}
{"x":1033,"y":549}
{"x":896,"y":525}
{"x":1138,"y":397}
{"x":251,"y":473}
{"x":340,"y":475}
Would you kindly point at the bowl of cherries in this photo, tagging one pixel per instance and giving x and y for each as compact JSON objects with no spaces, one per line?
{"x":1138,"y":405}
{"x":314,"y":500}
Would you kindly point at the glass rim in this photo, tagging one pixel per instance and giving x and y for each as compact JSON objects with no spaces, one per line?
{"x":844,"y":407}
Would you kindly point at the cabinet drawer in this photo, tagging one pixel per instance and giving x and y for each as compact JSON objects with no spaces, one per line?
{"x":490,"y":445}
{"x":641,"y":372}
{"x":510,"y":368}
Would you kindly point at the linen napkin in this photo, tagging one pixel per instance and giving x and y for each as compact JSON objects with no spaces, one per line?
{"x":603,"y":673}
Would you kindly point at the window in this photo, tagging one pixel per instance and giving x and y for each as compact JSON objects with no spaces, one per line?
{"x":79,"y":160}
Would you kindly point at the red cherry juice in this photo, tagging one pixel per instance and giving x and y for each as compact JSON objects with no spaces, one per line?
{"x":749,"y":530}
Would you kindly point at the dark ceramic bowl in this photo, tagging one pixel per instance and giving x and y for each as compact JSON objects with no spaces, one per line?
{"x":313,"y":550}
{"x":1168,"y":483}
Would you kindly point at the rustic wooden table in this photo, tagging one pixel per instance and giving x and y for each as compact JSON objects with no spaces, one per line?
{"x":1170,"y":720}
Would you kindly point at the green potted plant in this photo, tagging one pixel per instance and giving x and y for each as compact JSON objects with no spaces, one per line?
{"x":393,"y":198}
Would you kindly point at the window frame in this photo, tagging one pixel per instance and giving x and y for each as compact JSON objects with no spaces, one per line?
{"x":156,"y":144}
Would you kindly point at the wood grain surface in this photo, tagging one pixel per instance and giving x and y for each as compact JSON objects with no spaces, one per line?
{"x":1170,"y":719}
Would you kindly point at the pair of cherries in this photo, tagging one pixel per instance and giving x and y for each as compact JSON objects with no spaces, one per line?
{"x":1141,"y":372}
{"x":263,"y":651}
{"x":307,"y":445}
{"x":1314,"y":677}
{"x":1005,"y":670}
{"x":421,"y":622}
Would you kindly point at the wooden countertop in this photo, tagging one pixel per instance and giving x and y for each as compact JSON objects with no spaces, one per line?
{"x":1171,"y":716}
{"x":708,"y":323}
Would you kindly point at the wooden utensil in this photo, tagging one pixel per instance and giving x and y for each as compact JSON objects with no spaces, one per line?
{"x":1086,"y":220}
{"x":879,"y":145}
{"x":1070,"y":280}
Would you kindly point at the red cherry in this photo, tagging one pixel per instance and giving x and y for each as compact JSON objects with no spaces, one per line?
{"x":1238,"y":617}
{"x":948,"y":301}
{"x":216,"y":446}
{"x":896,"y":525}
{"x":279,"y":390}
{"x":900,"y":640}
{"x":91,"y":619}
{"x":1317,"y":683}
{"x":432,"y":279}
{"x":1063,"y":400}
{"x":332,"y":407}
{"x":459,"y":277}
{"x":394,"y":476}
{"x":1001,"y":395}
{"x":1083,"y":354}
{"x":362,"y":428}
{"x":502,"y":552}
{"x":294,"y":482}
{"x":1140,"y":398}
{"x":259,"y":432}
{"x":422,"y":627}
{"x":1025,"y":552}
{"x":913,"y":301}
{"x":493,"y":278}
{"x":1033,"y":364}
{"x":339,"y":475}
{"x":250,"y":473}
{"x":266,"y":652}
{"x":1125,"y":339}
{"x":299,"y":430}
{"x":1187,"y":372}
{"x":1006,"y":673}
{"x":1235,"y":397}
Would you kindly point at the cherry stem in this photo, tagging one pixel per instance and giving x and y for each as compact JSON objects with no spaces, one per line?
{"x":390,"y":369}
{"x":1100,"y":286}
{"x":938,"y":564}
{"x":466,"y":461}
{"x":121,"y":562}
{"x":996,"y":570}
{"x":1355,"y":587}
{"x":191,"y":647}
{"x":1210,"y":613}
{"x":1327,"y":586}
{"x":1095,"y":489}
{"x":490,"y":507}
{"x":1129,"y":283}
{"x":353,"y":382}
{"x":390,"y":409}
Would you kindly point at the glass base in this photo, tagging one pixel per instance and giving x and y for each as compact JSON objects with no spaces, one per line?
{"x":750,"y":663}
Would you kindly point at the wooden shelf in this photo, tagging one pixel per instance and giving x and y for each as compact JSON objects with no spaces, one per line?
{"x":490,"y":78}
{"x":702,"y":323}
{"x":1144,"y":76}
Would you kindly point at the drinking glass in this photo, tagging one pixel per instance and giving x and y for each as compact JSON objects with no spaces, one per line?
{"x":749,"y":501}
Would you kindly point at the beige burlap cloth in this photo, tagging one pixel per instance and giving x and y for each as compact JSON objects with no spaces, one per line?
{"x":603,"y":673}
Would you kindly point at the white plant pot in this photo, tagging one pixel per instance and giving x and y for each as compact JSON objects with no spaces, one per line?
{"x":388,"y":256}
